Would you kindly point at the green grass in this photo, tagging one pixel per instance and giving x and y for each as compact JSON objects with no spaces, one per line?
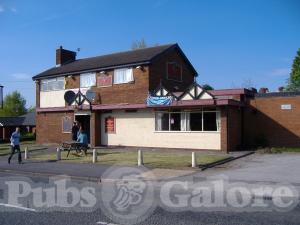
{"x":151,"y":159}
{"x":278,"y":150}
{"x":5,"y":147}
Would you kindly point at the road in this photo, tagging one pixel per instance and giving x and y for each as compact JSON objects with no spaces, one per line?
{"x":10,"y":215}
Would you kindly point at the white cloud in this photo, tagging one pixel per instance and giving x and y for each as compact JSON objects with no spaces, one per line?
{"x":1,"y":9}
{"x":280,"y":72}
{"x":20,"y":76}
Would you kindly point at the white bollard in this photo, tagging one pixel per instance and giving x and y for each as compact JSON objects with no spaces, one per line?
{"x":140,"y":158}
{"x":58,"y":154}
{"x":26,"y":153}
{"x":194,"y":161}
{"x":94,"y":155}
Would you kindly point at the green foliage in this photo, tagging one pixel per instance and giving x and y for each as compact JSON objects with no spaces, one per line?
{"x":294,"y":80}
{"x":13,"y":105}
{"x":31,"y":109}
{"x":138,"y":44}
{"x":28,"y":137}
{"x":207,"y":87}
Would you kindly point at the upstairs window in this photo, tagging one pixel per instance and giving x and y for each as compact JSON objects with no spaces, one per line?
{"x":87,"y":80}
{"x":174,"y":71}
{"x":124,"y":75}
{"x":54,"y":84}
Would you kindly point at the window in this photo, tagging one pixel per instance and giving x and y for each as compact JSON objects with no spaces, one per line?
{"x":162,"y":121}
{"x":174,"y":71}
{"x":209,"y":121}
{"x":195,"y":121}
{"x":54,"y":84}
{"x":175,"y":121}
{"x":124,"y":75}
{"x":187,"y":121}
{"x":87,"y":80}
{"x":67,"y":124}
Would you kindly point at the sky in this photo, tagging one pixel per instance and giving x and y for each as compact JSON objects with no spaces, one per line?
{"x":231,"y":43}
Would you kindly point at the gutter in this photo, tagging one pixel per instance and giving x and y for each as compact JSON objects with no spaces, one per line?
{"x":37,"y":77}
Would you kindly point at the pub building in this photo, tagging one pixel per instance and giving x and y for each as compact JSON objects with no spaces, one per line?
{"x":150,"y":98}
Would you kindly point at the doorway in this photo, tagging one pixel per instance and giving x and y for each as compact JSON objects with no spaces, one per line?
{"x":84,"y":122}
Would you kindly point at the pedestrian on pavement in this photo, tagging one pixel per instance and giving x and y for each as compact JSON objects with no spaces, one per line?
{"x":15,"y":145}
{"x":75,"y":130}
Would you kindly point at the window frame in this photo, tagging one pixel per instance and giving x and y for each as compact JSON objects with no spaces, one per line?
{"x":52,"y":80}
{"x":124,"y":68}
{"x":202,"y":111}
{"x":167,"y":71}
{"x":62,"y":124}
{"x":87,"y":74}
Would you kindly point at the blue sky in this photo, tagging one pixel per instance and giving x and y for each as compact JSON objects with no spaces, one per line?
{"x":229,"y":42}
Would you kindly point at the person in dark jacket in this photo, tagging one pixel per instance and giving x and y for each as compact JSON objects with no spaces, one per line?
{"x":15,"y":145}
{"x":75,"y":130}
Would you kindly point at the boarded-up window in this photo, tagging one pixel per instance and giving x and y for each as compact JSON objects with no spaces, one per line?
{"x":110,"y":125}
{"x":174,"y":71}
{"x":67,"y":124}
{"x":104,"y":80}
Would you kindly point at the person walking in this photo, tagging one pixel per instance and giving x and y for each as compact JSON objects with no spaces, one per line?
{"x":75,"y":130}
{"x":15,"y":145}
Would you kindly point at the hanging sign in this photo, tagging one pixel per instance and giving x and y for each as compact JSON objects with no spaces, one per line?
{"x":104,"y":80}
{"x":110,"y":125}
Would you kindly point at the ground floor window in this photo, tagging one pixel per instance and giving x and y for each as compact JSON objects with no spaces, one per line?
{"x":200,"y":120}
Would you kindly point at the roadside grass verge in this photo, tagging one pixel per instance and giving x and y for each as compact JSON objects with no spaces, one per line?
{"x":151,"y":159}
{"x":278,"y":150}
{"x":5,"y":147}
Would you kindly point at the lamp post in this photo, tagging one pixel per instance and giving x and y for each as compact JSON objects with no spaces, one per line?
{"x":1,"y":96}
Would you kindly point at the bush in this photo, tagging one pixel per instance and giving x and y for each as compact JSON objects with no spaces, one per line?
{"x":28,"y":137}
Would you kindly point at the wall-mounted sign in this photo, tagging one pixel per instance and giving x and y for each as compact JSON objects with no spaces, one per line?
{"x":174,"y":71}
{"x":110,"y":125}
{"x":104,"y":80}
{"x":286,"y":107}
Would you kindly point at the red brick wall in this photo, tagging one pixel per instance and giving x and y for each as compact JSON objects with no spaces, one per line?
{"x":266,"y":121}
{"x":158,"y":72}
{"x":49,"y":127}
{"x":231,"y":128}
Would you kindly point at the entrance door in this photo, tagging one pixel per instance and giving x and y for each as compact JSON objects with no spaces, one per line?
{"x":84,"y":122}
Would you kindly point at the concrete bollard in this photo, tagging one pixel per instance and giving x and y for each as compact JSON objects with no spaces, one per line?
{"x":94,"y":155}
{"x":26,"y":153}
{"x":58,"y":154}
{"x":140,"y":158}
{"x":194,"y":161}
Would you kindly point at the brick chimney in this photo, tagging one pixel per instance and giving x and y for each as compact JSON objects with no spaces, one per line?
{"x":263,"y":90}
{"x":64,"y":56}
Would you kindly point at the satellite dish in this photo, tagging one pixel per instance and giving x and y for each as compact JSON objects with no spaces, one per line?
{"x":90,"y":95}
{"x":69,"y":97}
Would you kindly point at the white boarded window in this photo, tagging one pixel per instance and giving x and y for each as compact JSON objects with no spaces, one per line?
{"x":87,"y":80}
{"x":124,"y":75}
{"x":53,"y":84}
{"x":67,"y":123}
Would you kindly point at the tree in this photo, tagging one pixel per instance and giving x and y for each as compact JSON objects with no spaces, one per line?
{"x":31,"y":109}
{"x":207,"y":87}
{"x":138,"y":44}
{"x":13,"y":105}
{"x":294,"y":80}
